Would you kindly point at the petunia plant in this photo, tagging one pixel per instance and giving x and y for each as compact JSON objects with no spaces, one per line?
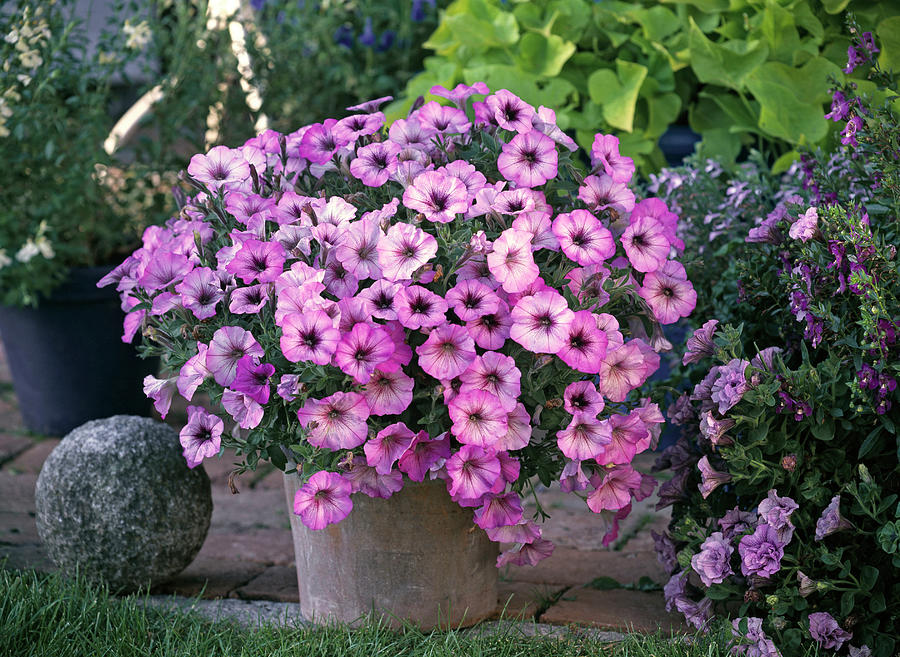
{"x":453,"y":297}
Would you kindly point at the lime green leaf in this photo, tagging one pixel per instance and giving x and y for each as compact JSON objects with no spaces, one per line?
{"x":479,"y":25}
{"x":726,"y":65}
{"x":720,"y":144}
{"x":572,"y":18}
{"x":657,"y":22}
{"x":835,"y":6}
{"x":888,"y":38}
{"x":706,"y":6}
{"x":662,"y":111}
{"x":791,"y":99}
{"x":780,"y":32}
{"x":617,"y":92}
{"x":784,"y":162}
{"x":738,"y":116}
{"x":544,"y":56}
{"x":804,"y":17}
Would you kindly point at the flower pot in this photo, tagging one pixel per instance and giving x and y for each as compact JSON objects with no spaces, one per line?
{"x":68,"y":362}
{"x":414,"y":557}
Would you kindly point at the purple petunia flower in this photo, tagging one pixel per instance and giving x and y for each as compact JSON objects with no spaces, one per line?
{"x":776,"y":512}
{"x":712,"y":563}
{"x":530,"y":159}
{"x":730,"y":384}
{"x":831,"y":520}
{"x":826,"y":631}
{"x":201,"y":437}
{"x":761,"y":552}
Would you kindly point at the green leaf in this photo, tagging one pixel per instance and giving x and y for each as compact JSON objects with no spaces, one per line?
{"x":478,"y":25}
{"x":868,"y":575}
{"x":888,"y":38}
{"x":876,"y":603}
{"x":847,"y":603}
{"x":780,"y":31}
{"x":888,"y":537}
{"x":835,"y":6}
{"x":657,"y":22}
{"x":544,"y":55}
{"x":781,"y":165}
{"x":718,"y":592}
{"x":603,"y":584}
{"x":823,"y":430}
{"x":617,"y":92}
{"x":791,"y":99}
{"x":728,"y":64}
{"x":662,"y":112}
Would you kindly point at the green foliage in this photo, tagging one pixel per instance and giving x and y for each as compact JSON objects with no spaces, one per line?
{"x":745,"y":73}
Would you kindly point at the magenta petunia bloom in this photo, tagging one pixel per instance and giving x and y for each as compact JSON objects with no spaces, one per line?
{"x":761,"y":552}
{"x":625,"y":433}
{"x":826,"y":631}
{"x":605,"y":155}
{"x":511,"y":260}
{"x":499,"y":511}
{"x":583,"y":439}
{"x":478,"y":418}
{"x":193,"y":373}
{"x":669,"y":298}
{"x":582,"y":398}
{"x":375,"y":163}
{"x":388,"y":393}
{"x":380,"y":298}
{"x":529,"y":159}
{"x":713,"y":562}
{"x":646,"y":244}
{"x":249,"y":300}
{"x":602,"y":192}
{"x":806,"y":227}
{"x":245,"y":410}
{"x":573,"y":478}
{"x":471,"y":299}
{"x":309,"y":336}
{"x":366,"y":480}
{"x":161,"y":392}
{"x":538,"y":225}
{"x":411,"y":133}
{"x":541,"y":322}
{"x":730,"y":385}
{"x":228,"y":345}
{"x":249,"y":208}
{"x":319,"y":143}
{"x":831,"y":520}
{"x":522,"y":532}
{"x":323,"y":500}
{"x":358,"y":250}
{"x":529,"y":554}
{"x":289,"y":387}
{"x":545,"y":121}
{"x":585,"y":344}
{"x":252,"y":379}
{"x":201,"y":437}
{"x":621,"y":371}
{"x":361,"y":350}
{"x":497,"y":374}
{"x":423,"y":454}
{"x":418,"y":307}
{"x":472,"y":472}
{"x":388,"y":446}
{"x":258,"y":261}
{"x":614,"y":491}
{"x":710,"y":478}
{"x":337,"y":279}
{"x":221,"y":168}
{"x":490,"y":331}
{"x":442,"y":119}
{"x":439,"y":196}
{"x":447,"y":352}
{"x":583,"y":238}
{"x":200,"y":292}
{"x":518,"y":430}
{"x":164,"y":269}
{"x":510,"y":112}
{"x":403,"y":250}
{"x":701,"y":344}
{"x":336,"y":422}
{"x":460,"y":93}
{"x":350,"y":128}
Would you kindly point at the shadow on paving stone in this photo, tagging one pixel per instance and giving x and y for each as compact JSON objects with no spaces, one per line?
{"x":247,"y":613}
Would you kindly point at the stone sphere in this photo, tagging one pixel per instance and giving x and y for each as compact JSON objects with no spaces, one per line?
{"x":117,"y":501}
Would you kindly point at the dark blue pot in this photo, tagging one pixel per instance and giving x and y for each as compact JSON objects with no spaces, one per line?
{"x":676,"y":143}
{"x":68,"y":362}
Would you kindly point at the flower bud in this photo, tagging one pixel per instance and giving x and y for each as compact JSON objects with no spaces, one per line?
{"x":752,"y":595}
{"x":771,"y":600}
{"x":789,"y":462}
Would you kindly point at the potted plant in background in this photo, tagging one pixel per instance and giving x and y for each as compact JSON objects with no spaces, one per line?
{"x":786,"y":479}
{"x":449,"y":310}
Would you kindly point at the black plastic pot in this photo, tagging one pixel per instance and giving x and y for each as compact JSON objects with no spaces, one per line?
{"x":68,"y":362}
{"x":676,"y":143}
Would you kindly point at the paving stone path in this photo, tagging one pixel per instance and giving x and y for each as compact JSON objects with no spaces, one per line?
{"x":248,"y":554}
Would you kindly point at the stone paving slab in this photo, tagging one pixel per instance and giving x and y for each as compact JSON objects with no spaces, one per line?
{"x":32,"y":459}
{"x":17,"y":492}
{"x":211,"y":578}
{"x":568,"y":567}
{"x":276,"y":583}
{"x":523,"y":600}
{"x":17,"y":529}
{"x":24,"y":557}
{"x":617,"y":609}
{"x":270,"y":547}
{"x":11,"y":445}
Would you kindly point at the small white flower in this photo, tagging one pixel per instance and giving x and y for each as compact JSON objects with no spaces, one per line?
{"x":138,"y":35}
{"x":4,"y":259}
{"x":31,"y":59}
{"x":28,"y":251}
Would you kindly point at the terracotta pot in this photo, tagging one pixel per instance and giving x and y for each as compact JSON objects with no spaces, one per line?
{"x":414,"y":557}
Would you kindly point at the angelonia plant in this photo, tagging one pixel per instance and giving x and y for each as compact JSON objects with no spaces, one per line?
{"x":454,"y":297}
{"x":786,"y":478}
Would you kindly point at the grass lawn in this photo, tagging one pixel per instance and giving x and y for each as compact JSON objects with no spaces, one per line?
{"x":53,"y":616}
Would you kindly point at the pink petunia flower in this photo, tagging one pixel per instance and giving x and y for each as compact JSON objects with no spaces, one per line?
{"x":583,"y":439}
{"x":161,"y":392}
{"x":309,"y":336}
{"x":605,"y":154}
{"x":518,"y":430}
{"x":529,"y":159}
{"x":490,"y":331}
{"x":258,"y":261}
{"x":350,"y":128}
{"x":319,"y":143}
{"x":537,"y":224}
{"x":201,"y":437}
{"x":668,"y":297}
{"x":439,"y":196}
{"x":249,"y":300}
{"x":472,"y":472}
{"x":418,"y":307}
{"x":228,"y":345}
{"x":442,"y":119}
{"x":164,"y":269}
{"x":545,"y":121}
{"x":424,"y":454}
{"x":472,"y":299}
{"x":368,"y":481}
{"x":614,"y":489}
{"x":447,"y":352}
{"x":582,"y":398}
{"x":245,"y":410}
{"x":249,"y":208}
{"x":323,"y":500}
{"x":403,"y":250}
{"x":602,"y":192}
{"x":200,"y":292}
{"x":193,"y":373}
{"x":460,"y":93}
{"x":626,"y":433}
{"x":478,"y":418}
{"x":541,"y":322}
{"x":380,"y":298}
{"x":375,"y":163}
{"x":499,"y":511}
{"x":358,"y":251}
{"x":361,"y":350}
{"x":621,"y":371}
{"x":411,"y":133}
{"x":583,"y":238}
{"x":511,"y":260}
{"x":510,"y":112}
{"x":585,"y":344}
{"x":336,"y":422}
{"x":388,"y":393}
{"x":646,"y":244}
{"x":529,"y":554}
{"x":221,"y":168}
{"x":497,"y":374}
{"x":252,"y":379}
{"x":388,"y":446}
